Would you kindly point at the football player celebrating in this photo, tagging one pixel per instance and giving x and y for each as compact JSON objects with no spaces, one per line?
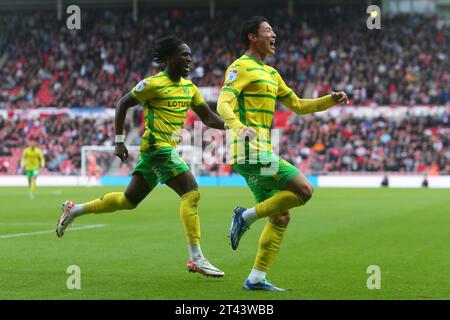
{"x":247,"y":104}
{"x":166,"y":98}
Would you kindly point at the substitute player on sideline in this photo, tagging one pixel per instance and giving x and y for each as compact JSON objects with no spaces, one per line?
{"x":166,"y":98}
{"x":29,"y":162}
{"x":247,"y":102}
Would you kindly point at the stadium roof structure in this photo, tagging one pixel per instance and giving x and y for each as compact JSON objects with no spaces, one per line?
{"x":52,"y":4}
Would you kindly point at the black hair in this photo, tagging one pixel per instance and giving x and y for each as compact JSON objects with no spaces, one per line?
{"x":251,"y":26}
{"x":166,"y":47}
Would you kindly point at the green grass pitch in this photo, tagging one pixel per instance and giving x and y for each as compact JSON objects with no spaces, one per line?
{"x":141,"y":254}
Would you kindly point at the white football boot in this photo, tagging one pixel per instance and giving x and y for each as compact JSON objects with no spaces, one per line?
{"x":65,"y":218}
{"x":203,"y":266}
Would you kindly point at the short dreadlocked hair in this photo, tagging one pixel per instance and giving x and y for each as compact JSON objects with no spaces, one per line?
{"x":166,"y":47}
{"x":250,"y":26}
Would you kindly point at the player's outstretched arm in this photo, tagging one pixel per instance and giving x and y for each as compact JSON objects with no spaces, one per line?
{"x":305,"y":106}
{"x":209,"y":117}
{"x":122,"y":106}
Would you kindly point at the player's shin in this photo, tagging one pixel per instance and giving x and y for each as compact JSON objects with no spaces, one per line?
{"x":108,"y":203}
{"x":191,"y":221}
{"x":33,"y":185}
{"x":278,"y":203}
{"x":269,"y":245}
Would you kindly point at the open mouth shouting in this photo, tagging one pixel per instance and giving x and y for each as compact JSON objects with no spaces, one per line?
{"x":272,"y":45}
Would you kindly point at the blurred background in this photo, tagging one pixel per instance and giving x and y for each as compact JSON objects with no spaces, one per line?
{"x":60,"y":86}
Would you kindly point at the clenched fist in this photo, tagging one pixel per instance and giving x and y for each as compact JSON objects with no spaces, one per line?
{"x":339,"y":97}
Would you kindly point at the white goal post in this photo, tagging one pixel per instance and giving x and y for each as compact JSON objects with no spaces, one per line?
{"x":113,"y":163}
{"x":86,"y":150}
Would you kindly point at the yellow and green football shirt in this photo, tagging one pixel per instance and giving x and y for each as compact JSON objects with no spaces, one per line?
{"x":166,"y":103}
{"x":255,"y":87}
{"x":31,"y":157}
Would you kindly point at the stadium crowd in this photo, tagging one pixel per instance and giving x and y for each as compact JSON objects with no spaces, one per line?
{"x":315,"y":144}
{"x":407,"y":63}
{"x":60,"y":139}
{"x":48,"y":65}
{"x":44,"y":64}
{"x":419,"y":144}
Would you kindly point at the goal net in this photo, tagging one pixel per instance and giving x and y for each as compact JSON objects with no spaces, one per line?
{"x":97,"y":161}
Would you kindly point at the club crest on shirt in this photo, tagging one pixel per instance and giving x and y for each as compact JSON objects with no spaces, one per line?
{"x":232,"y":75}
{"x":140,"y":86}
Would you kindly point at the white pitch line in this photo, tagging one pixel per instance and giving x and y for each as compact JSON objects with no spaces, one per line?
{"x":25,"y":224}
{"x":92,"y":226}
{"x":40,"y":192}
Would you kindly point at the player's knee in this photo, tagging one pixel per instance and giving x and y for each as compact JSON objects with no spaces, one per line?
{"x":131,"y":201}
{"x":193,"y":197}
{"x":306,"y":192}
{"x":281,"y":219}
{"x":127,"y":204}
